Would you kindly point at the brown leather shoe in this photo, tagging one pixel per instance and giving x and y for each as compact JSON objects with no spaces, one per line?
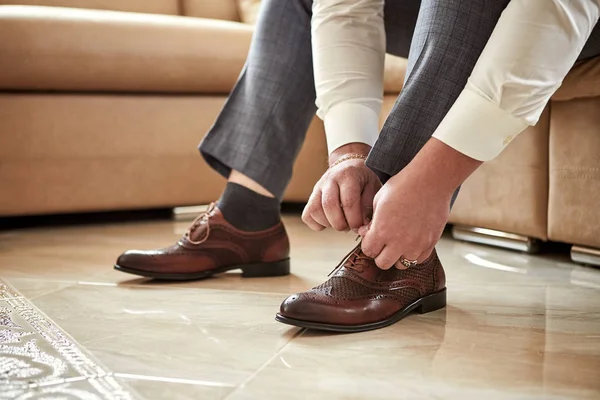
{"x":360,"y":296}
{"x":212,"y":245}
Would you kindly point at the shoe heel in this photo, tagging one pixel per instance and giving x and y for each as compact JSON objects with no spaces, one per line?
{"x":432,"y":302}
{"x":258,"y":270}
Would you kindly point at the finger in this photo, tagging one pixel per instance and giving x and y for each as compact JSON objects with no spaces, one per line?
{"x":371,"y":245}
{"x":316,"y":209}
{"x":312,"y":215}
{"x":425,"y":255}
{"x":367,"y":198}
{"x":387,"y":258}
{"x":363,"y":230}
{"x":350,"y":199}
{"x":409,"y":255}
{"x":312,"y":224}
{"x":333,"y":208}
{"x":309,"y":220}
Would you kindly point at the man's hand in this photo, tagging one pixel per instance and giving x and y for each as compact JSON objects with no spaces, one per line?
{"x":412,"y":208}
{"x":343,"y":197}
{"x":408,"y":220}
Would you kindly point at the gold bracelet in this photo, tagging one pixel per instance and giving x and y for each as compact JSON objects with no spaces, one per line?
{"x":352,"y":156}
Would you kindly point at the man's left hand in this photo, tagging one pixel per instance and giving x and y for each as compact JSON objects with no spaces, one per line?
{"x":409,"y":216}
{"x":412,"y":208}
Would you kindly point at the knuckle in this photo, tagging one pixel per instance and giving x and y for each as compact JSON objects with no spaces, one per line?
{"x":350,"y":199}
{"x":312,"y":207}
{"x":379,"y":235}
{"x":368,"y":250}
{"x":329,"y":202}
{"x":339,"y":228}
{"x":355,"y":223}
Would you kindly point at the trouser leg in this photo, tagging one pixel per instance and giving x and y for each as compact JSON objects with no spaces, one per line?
{"x":263,"y":124}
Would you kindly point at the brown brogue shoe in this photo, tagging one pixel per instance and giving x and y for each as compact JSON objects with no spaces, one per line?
{"x":212,"y":245}
{"x":360,"y":297}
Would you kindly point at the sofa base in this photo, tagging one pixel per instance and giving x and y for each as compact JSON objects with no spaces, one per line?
{"x":496,"y":238}
{"x":585,"y":255}
{"x":187,"y":213}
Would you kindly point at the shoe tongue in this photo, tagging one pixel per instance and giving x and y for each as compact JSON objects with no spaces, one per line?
{"x":199,"y":230}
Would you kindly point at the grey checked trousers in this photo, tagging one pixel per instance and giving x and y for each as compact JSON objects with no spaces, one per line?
{"x":263,"y":124}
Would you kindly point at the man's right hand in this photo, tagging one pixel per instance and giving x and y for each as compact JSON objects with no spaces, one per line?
{"x":343,"y":197}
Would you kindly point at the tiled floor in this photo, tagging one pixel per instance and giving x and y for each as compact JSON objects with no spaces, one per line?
{"x":516,"y":327}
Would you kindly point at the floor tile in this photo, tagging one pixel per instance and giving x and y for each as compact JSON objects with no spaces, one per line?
{"x":31,"y":288}
{"x":206,"y":335}
{"x":517,"y":326}
{"x":175,"y":389}
{"x":105,"y":388}
{"x":453,"y":354}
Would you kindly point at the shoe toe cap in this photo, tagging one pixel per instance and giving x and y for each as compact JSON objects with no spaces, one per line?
{"x":306,"y":307}
{"x":132,"y":259}
{"x":316,"y":307}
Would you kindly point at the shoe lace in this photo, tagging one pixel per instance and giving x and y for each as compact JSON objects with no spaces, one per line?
{"x":351,"y":260}
{"x":200,"y":219}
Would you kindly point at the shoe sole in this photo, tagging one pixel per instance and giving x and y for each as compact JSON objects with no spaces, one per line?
{"x":423,"y":305}
{"x":256,"y":270}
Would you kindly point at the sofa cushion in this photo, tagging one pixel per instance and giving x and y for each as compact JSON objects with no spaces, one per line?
{"x":582,"y":81}
{"x":52,"y":48}
{"x":217,"y":9}
{"x":143,"y":6}
{"x":248,"y":10}
{"x":574,"y":195}
{"x":98,"y":152}
{"x":102,"y":152}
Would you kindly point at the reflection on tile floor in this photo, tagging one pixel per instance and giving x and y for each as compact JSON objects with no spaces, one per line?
{"x":516,"y":327}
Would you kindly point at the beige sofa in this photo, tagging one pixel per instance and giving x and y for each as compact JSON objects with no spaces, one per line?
{"x":103,"y":103}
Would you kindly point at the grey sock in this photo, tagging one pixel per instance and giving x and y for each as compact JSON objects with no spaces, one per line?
{"x":247,"y":210}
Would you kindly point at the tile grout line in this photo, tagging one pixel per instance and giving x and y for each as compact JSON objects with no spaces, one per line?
{"x":265,"y":364}
{"x":19,"y":295}
{"x":47,"y":293}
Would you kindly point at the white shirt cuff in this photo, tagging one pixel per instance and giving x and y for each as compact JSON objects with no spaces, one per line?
{"x":350,"y":123}
{"x":477,"y":127}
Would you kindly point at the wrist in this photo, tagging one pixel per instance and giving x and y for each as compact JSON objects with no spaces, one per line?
{"x":349,"y":148}
{"x":440,"y":167}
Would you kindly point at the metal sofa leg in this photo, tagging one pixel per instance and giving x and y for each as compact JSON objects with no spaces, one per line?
{"x":585,"y":255}
{"x":496,"y":238}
